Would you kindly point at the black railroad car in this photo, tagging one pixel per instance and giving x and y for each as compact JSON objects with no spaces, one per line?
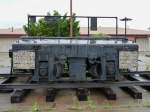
{"x":73,"y":59}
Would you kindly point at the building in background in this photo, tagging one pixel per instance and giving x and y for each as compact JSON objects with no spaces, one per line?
{"x":141,"y":37}
{"x":9,"y":36}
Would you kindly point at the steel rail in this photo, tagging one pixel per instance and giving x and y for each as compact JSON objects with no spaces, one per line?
{"x":136,"y":72}
{"x":67,"y":85}
{"x":15,"y":75}
{"x":28,"y":74}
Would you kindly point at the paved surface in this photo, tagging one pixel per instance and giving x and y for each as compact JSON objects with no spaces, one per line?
{"x":66,"y":100}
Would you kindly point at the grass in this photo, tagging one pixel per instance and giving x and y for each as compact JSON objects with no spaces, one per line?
{"x":110,"y":106}
{"x":146,"y":104}
{"x":147,"y":54}
{"x":10,"y":110}
{"x":76,"y":105}
{"x":35,"y":108}
{"x":2,"y":66}
{"x":107,"y":106}
{"x":147,"y":67}
{"x":91,"y":104}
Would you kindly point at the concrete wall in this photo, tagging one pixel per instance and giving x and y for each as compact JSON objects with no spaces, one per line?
{"x":5,"y":44}
{"x":144,"y":44}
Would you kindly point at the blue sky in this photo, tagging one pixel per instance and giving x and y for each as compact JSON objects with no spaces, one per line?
{"x":14,"y":12}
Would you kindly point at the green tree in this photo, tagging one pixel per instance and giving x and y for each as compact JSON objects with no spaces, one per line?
{"x":58,"y":27}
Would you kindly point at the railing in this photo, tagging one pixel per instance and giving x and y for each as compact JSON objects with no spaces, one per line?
{"x":89,"y":20}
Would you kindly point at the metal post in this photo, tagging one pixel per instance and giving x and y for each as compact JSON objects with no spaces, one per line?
{"x":116,"y":26}
{"x":88,"y":26}
{"x":125,"y":20}
{"x":28,"y":21}
{"x":71,"y":26}
{"x":125,"y":27}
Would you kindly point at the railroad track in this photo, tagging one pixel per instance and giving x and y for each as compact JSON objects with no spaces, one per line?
{"x":129,"y":85}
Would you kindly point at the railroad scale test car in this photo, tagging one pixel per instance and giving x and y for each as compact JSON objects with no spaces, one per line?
{"x":73,"y":59}
{"x":79,"y":63}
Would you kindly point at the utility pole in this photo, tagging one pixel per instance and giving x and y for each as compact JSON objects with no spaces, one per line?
{"x":71,"y":21}
{"x":126,"y":20}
